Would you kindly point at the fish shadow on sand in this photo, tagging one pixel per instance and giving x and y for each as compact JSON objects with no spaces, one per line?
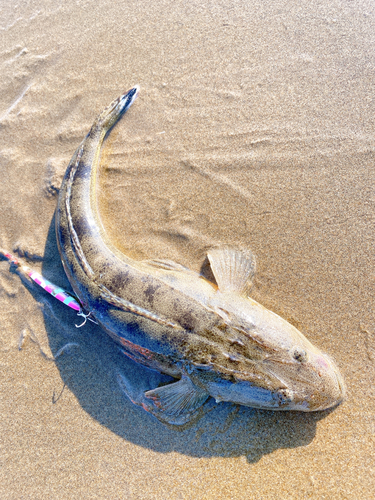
{"x":91,"y":369}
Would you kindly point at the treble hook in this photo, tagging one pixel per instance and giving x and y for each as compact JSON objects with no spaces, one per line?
{"x":86,"y":316}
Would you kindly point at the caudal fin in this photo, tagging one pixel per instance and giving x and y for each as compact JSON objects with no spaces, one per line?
{"x":116,"y":109}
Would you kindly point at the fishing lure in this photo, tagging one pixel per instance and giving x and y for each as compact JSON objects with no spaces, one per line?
{"x":54,"y":290}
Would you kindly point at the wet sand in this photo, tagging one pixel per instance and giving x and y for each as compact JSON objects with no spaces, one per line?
{"x":255,"y":128}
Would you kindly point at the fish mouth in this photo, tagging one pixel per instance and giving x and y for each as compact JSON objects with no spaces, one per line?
{"x":312,"y":386}
{"x":332,"y":391}
{"x":339,"y":388}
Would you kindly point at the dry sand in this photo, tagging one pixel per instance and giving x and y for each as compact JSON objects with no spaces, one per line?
{"x":254,"y":127}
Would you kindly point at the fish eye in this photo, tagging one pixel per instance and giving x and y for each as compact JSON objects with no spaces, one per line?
{"x":284,"y":397}
{"x":299,"y":355}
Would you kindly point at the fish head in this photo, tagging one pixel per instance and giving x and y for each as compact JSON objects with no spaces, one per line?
{"x":267,"y":363}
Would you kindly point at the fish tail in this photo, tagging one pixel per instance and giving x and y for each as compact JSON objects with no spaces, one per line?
{"x":116,"y":109}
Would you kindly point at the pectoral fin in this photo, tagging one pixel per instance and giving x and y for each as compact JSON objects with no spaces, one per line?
{"x":233,"y":269}
{"x":177,"y":403}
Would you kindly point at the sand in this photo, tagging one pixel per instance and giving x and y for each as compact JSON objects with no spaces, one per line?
{"x":254,"y":127}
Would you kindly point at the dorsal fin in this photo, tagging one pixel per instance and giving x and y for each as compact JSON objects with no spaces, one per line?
{"x":233,"y":269}
{"x":168,"y":265}
{"x":127,"y":306}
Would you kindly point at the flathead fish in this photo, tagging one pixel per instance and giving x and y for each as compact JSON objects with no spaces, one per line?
{"x":212,"y":338}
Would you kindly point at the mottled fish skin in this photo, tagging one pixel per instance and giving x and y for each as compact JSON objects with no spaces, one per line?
{"x":173,"y":320}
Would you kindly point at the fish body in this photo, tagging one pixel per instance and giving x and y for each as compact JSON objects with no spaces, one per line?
{"x":214,"y":339}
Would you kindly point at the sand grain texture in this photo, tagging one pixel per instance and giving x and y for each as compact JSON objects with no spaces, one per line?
{"x":254,"y":127}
